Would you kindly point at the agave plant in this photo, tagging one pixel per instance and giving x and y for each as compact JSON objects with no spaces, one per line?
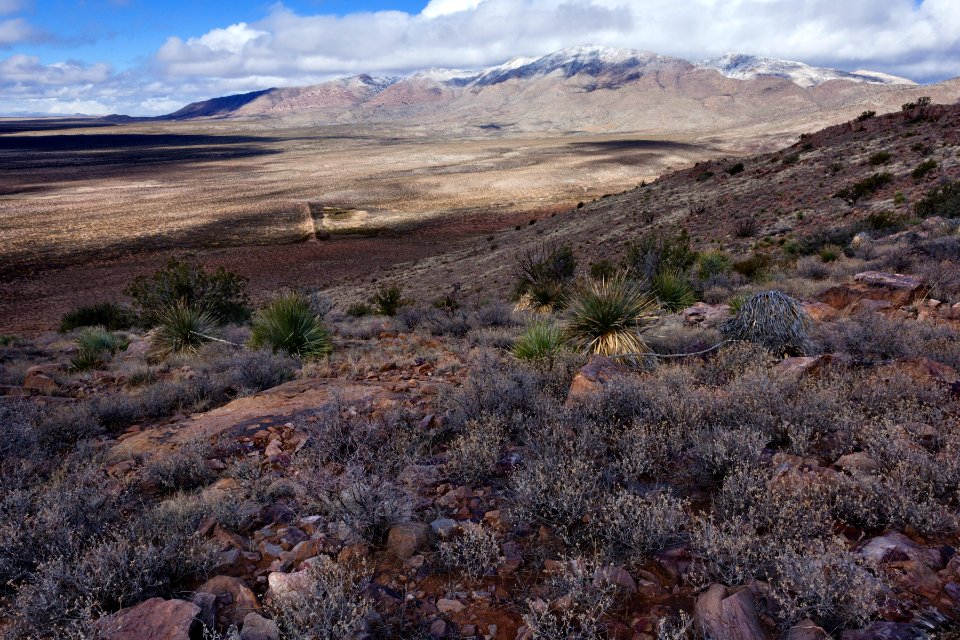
{"x":181,"y":329}
{"x":607,"y":317}
{"x":288,"y":324}
{"x":771,"y":319}
{"x":541,"y":341}
{"x":673,"y":291}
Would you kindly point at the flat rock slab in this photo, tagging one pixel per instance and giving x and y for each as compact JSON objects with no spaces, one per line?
{"x":153,"y":619}
{"x":246,"y":416}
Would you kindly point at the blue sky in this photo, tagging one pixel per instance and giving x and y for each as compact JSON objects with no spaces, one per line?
{"x":142,"y":57}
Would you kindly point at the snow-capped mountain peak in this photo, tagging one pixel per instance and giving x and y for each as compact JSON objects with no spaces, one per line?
{"x":746,"y":67}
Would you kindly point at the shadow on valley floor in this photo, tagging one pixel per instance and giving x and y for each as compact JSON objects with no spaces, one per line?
{"x":50,"y":124}
{"x":613,"y":146}
{"x":104,"y":149}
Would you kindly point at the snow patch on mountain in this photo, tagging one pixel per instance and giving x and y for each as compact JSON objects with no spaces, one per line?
{"x":746,"y":67}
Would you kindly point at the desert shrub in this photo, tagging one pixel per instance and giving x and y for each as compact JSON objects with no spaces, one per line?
{"x":790,"y":158}
{"x":409,"y":318}
{"x":746,"y":227}
{"x":922,"y":169}
{"x":866,"y":115}
{"x":830,"y":253}
{"x":541,"y":342}
{"x":735,"y":169}
{"x":633,"y":527}
{"x":771,"y":319}
{"x":181,"y":470}
{"x":455,"y":323}
{"x":943,"y":201}
{"x":753,"y":267}
{"x":254,"y":370}
{"x":576,"y":605}
{"x":333,"y":606}
{"x":359,"y":310}
{"x":495,"y":315}
{"x":287,"y":324}
{"x":87,"y":360}
{"x":474,"y":552}
{"x":222,"y":293}
{"x":387,"y":299}
{"x":918,"y":104}
{"x":813,"y":268}
{"x":884,"y":220}
{"x":368,"y":503}
{"x":660,"y":252}
{"x":95,"y":345}
{"x":181,"y":329}
{"x":607,"y":317}
{"x":673,"y":291}
{"x":873,"y":338}
{"x":108,"y":315}
{"x":864,"y":188}
{"x":544,"y":274}
{"x":60,"y":427}
{"x":602,"y":269}
{"x":879,"y":158}
{"x":473,"y":454}
{"x":713,"y":263}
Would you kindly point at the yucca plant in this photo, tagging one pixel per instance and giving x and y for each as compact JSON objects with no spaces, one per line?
{"x":95,"y":346}
{"x":541,"y":341}
{"x":771,"y":319}
{"x":713,"y":263}
{"x":181,"y":329}
{"x":607,"y":317}
{"x":100,"y":340}
{"x":673,"y":291}
{"x":288,"y":324}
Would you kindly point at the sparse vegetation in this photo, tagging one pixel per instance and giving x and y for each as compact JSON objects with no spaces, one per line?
{"x":673,"y":291}
{"x":182,"y":329}
{"x":108,"y":315}
{"x":864,"y":188}
{"x":879,"y":158}
{"x":388,"y":299}
{"x":541,"y":342}
{"x":943,"y":201}
{"x":921,"y":170}
{"x":773,"y":320}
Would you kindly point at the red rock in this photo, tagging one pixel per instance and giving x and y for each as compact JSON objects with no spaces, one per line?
{"x":593,"y":377}
{"x":153,"y":619}
{"x":806,"y":630}
{"x":896,"y":289}
{"x":895,"y":546}
{"x":256,"y":627}
{"x":800,"y":366}
{"x":407,"y":538}
{"x":617,"y":576}
{"x":726,"y":617}
{"x":448,"y":606}
{"x":706,"y":315}
{"x":234,"y":599}
{"x":820,"y":312}
{"x":40,"y":382}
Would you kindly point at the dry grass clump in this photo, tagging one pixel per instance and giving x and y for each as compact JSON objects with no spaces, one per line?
{"x":288,"y":324}
{"x":474,"y":552}
{"x":473,"y":454}
{"x":181,"y":329}
{"x":773,"y":320}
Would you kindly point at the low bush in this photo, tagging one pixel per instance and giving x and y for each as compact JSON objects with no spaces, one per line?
{"x":754,"y":267}
{"x":855,"y":192}
{"x":713,"y":263}
{"x":473,"y":455}
{"x":922,"y":169}
{"x":222,"y":293}
{"x":658,"y":253}
{"x":746,"y":227}
{"x":879,"y":158}
{"x":735,"y":169}
{"x":287,"y":324}
{"x":544,"y":274}
{"x":181,"y":470}
{"x":359,"y":310}
{"x":388,"y":299}
{"x":474,"y":552}
{"x":108,"y":315}
{"x":943,"y":201}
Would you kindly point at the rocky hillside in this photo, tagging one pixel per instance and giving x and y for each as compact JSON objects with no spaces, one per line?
{"x":776,"y":455}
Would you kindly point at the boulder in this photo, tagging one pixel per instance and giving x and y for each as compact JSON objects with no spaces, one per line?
{"x":806,"y":630}
{"x":617,"y":576}
{"x":256,"y":627}
{"x":39,"y":382}
{"x":728,"y":617}
{"x":820,"y":312}
{"x":153,"y":619}
{"x":894,"y":546}
{"x":599,"y":372}
{"x":407,"y":538}
{"x":797,"y":367}
{"x":281,"y":585}
{"x":447,"y":606}
{"x":234,"y":599}
{"x":706,"y":315}
{"x":894,"y":289}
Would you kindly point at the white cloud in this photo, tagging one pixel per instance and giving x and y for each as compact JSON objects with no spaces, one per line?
{"x":445,"y":7}
{"x":286,"y":49}
{"x":10,"y":6}
{"x":15,"y":30}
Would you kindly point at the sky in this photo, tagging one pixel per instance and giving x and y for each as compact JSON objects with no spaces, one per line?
{"x":146,"y":58}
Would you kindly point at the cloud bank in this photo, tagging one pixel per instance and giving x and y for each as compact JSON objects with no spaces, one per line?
{"x":919,"y":41}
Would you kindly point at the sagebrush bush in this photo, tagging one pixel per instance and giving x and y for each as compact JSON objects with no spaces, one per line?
{"x":388,"y":299}
{"x":288,"y":324}
{"x":334,"y":605}
{"x":183,"y":469}
{"x":474,"y":552}
{"x":606,"y":317}
{"x":855,"y":192}
{"x":368,"y":503}
{"x":222,"y":293}
{"x":576,"y":606}
{"x":632,"y":527}
{"x":473,"y":454}
{"x":771,"y":319}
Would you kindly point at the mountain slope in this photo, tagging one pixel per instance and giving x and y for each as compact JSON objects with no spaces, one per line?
{"x":746,"y":67}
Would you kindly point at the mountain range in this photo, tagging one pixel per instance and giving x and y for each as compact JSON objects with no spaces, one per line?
{"x":587,"y":89}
